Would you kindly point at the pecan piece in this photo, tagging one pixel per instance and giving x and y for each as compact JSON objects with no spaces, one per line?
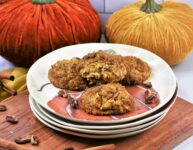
{"x":12,"y":119}
{"x":69,"y":148}
{"x":73,"y":102}
{"x":3,"y":108}
{"x":23,"y":140}
{"x":62,"y":93}
{"x":149,"y":96}
{"x":147,"y":85}
{"x":34,"y":140}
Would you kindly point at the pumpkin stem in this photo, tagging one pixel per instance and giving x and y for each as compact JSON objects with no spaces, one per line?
{"x":43,"y":1}
{"x":150,"y":6}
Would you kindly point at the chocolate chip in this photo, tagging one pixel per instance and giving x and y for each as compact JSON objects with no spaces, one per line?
{"x":12,"y":119}
{"x":23,"y":140}
{"x":3,"y":108}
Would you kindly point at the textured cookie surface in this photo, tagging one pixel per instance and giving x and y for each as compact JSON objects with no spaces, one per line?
{"x":137,"y":70}
{"x":64,"y":74}
{"x":107,"y":99}
{"x":99,"y":68}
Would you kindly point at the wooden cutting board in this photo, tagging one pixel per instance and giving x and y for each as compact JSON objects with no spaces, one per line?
{"x":173,"y":129}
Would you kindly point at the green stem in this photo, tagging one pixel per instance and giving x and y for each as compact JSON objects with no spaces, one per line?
{"x":150,"y":6}
{"x":43,"y":1}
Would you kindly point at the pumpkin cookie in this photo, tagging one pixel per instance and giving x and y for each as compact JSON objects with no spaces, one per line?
{"x":137,"y":70}
{"x":107,"y":99}
{"x":99,"y":68}
{"x":64,"y":74}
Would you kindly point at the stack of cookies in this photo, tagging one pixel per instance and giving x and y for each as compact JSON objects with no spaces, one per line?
{"x":103,"y":76}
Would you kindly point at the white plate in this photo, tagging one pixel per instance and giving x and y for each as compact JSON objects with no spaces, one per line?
{"x":93,"y":136}
{"x":162,"y":77}
{"x":65,"y":122}
{"x":87,"y":131}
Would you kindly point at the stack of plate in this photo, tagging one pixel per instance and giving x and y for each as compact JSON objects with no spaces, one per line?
{"x":41,"y":92}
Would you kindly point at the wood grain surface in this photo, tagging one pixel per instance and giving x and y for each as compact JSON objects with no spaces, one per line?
{"x":173,"y":129}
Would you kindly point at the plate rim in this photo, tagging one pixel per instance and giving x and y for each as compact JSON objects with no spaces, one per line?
{"x":83,"y":135}
{"x":113,"y":126}
{"x":100,"y":121}
{"x":94,"y":131}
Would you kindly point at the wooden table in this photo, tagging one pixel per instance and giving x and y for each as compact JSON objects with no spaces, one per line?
{"x":173,"y":129}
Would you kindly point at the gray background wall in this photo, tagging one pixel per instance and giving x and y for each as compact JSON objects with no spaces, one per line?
{"x":106,"y":7}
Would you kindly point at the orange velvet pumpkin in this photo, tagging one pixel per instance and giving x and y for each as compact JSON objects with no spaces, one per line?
{"x":30,"y":29}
